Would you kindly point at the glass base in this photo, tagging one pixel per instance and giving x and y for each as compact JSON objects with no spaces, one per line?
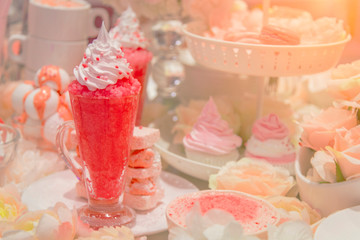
{"x":107,"y":216}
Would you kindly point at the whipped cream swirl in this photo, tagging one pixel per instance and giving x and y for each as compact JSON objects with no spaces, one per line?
{"x":211,"y":134}
{"x":103,"y":63}
{"x":270,"y":138}
{"x":127,"y":30}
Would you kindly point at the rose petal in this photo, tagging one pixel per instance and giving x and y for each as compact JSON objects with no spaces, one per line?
{"x":47,"y":227}
{"x":294,"y":230}
{"x":17,"y":235}
{"x":349,"y":161}
{"x":324,"y":165}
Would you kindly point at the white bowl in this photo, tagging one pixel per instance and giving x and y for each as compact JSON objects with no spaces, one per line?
{"x":325,"y":197}
{"x":178,"y":209}
{"x":260,"y":59}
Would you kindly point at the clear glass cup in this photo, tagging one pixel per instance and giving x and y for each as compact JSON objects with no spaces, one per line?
{"x":9,"y":138}
{"x":103,"y":130}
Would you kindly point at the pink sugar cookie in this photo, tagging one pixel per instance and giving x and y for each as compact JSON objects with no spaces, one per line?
{"x":142,"y":186}
{"x":275,"y":35}
{"x":142,"y":203}
{"x":144,"y":137}
{"x":153,"y":171}
{"x":142,"y":158}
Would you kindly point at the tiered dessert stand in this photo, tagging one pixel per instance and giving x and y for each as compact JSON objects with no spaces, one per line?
{"x":260,"y":60}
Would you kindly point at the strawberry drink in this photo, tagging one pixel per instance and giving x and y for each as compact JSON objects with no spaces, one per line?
{"x":133,"y":43}
{"x":104,"y":99}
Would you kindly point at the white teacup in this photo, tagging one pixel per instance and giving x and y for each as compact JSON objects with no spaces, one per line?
{"x":325,"y":197}
{"x":61,"y":23}
{"x":37,"y":52}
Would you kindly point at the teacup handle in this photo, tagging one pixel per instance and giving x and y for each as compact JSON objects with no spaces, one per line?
{"x":22,"y":39}
{"x":61,"y":139}
{"x":94,"y":13}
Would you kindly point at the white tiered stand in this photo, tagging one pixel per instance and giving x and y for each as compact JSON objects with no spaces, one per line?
{"x":263,"y":61}
{"x":259,"y":59}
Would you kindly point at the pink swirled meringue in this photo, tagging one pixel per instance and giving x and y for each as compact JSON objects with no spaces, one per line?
{"x":211,"y":138}
{"x":270,"y":141}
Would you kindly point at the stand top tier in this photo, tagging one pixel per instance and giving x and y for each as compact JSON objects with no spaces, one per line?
{"x":260,"y":59}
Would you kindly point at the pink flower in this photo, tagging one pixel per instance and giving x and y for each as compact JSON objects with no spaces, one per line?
{"x":320,"y":131}
{"x":255,"y":177}
{"x":347,"y":151}
{"x":345,"y":139}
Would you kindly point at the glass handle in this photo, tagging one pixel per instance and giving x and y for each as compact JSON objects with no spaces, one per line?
{"x":62,"y":137}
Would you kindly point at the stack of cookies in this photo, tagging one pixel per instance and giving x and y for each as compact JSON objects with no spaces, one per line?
{"x":142,"y":189}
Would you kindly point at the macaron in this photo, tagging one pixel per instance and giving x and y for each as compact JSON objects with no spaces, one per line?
{"x":275,"y":35}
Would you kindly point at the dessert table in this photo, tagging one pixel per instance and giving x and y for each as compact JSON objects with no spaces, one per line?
{"x":292,"y":150}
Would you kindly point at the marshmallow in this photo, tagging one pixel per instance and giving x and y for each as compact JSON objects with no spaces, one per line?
{"x":53,"y":76}
{"x":41,"y":103}
{"x":51,"y":124}
{"x":65,"y":100}
{"x":19,"y":95}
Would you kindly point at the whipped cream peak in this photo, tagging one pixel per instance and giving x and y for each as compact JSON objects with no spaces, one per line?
{"x":211,"y":134}
{"x":103,"y":63}
{"x":127,"y":30}
{"x":270,"y":127}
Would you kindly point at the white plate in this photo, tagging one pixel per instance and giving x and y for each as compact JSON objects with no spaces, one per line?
{"x":60,"y":186}
{"x":174,"y":153}
{"x":344,"y":224}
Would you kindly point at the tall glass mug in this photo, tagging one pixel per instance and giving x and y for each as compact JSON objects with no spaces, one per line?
{"x":103,"y":130}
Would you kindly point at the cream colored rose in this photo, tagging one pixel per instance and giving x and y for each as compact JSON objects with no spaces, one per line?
{"x":51,"y":224}
{"x":255,"y":177}
{"x":11,"y":207}
{"x":292,"y":208}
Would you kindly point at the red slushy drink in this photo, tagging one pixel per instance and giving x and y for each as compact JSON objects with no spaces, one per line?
{"x":104,"y":99}
{"x":133,"y":43}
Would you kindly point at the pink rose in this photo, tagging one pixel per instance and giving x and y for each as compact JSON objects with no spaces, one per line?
{"x":320,"y":131}
{"x":345,"y":139}
{"x":269,"y":127}
{"x":347,"y":151}
{"x":349,"y":161}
